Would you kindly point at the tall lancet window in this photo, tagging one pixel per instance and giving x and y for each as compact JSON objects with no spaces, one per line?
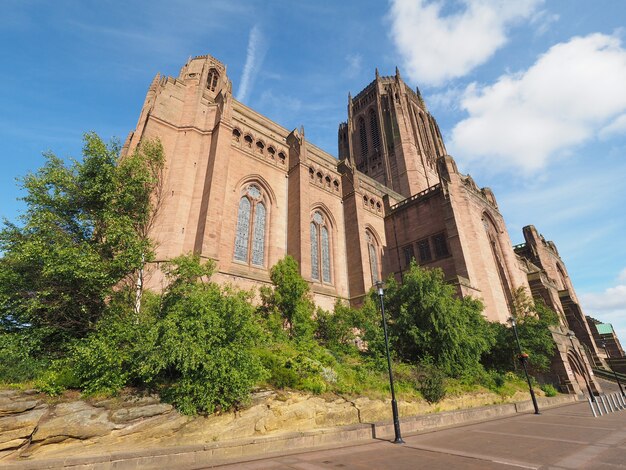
{"x":374,"y":130}
{"x":320,"y":249}
{"x":372,"y":248}
{"x":251,"y":224}
{"x":363,"y":138}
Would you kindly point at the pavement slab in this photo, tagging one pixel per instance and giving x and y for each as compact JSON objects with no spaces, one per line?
{"x":567,"y":437}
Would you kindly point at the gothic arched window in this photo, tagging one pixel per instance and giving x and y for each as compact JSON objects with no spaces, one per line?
{"x":363,"y":137}
{"x":320,"y":249}
{"x":427,"y":147}
{"x":372,"y":249}
{"x":251,"y":224}
{"x":374,"y":130}
{"x":492,"y":236}
{"x":211,"y":82}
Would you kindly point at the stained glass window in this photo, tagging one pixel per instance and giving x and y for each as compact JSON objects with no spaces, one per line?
{"x":258,"y":237}
{"x":325,"y":256}
{"x":243,"y":230}
{"x":315,"y":269}
{"x":320,"y":249}
{"x":251,"y":223}
{"x":254,"y":191}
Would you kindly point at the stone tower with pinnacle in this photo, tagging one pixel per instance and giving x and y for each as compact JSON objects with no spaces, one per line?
{"x":391,"y":137}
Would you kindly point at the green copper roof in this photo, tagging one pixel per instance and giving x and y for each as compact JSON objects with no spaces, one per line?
{"x":604,"y":328}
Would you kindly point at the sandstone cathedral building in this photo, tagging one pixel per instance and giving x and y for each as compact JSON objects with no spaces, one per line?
{"x":244,"y":191}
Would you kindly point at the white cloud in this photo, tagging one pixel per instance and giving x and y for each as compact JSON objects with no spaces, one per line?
{"x":617,"y":127}
{"x":257,"y":49}
{"x":609,"y":306}
{"x":436,"y":47}
{"x":563,"y":100}
{"x":612,"y":299}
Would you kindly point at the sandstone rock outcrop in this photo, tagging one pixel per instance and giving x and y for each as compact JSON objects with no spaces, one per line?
{"x":35,"y":426}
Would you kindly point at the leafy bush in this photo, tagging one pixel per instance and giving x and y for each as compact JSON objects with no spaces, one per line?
{"x":59,"y":377}
{"x":431,"y":383}
{"x":195,"y":346}
{"x":338,"y":330}
{"x":109,"y":359}
{"x":549,"y":390}
{"x":22,"y":360}
{"x":201,"y":355}
{"x":289,"y":300}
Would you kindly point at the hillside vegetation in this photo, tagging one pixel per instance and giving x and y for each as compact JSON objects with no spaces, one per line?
{"x":73,"y":312}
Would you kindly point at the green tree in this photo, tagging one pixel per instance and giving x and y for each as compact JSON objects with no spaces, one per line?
{"x":428,"y":322}
{"x":289,"y":299}
{"x":534,"y":320}
{"x":338,"y":330}
{"x":84,"y":231}
{"x":195,"y":347}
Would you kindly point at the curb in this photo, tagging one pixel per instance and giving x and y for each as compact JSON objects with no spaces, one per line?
{"x":218,"y":453}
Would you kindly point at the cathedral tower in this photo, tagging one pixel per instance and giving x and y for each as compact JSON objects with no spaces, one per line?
{"x":391,"y":137}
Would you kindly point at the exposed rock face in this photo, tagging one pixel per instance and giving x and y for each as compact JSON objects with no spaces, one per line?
{"x":34,"y":426}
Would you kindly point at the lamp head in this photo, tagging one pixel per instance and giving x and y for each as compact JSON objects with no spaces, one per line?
{"x":571,"y":335}
{"x":512,"y":321}
{"x":379,"y":287}
{"x":603,"y":344}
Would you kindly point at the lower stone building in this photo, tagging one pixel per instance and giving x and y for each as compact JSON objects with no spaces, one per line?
{"x":244,"y":191}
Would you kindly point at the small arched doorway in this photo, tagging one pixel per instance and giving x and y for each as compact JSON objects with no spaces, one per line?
{"x":580,"y":372}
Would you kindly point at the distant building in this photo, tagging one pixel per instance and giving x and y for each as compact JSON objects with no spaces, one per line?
{"x":604,"y":332}
{"x":244,"y":191}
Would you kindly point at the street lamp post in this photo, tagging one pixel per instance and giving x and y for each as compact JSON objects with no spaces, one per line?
{"x":603,"y":344}
{"x":571,"y":337}
{"x":394,"y":404}
{"x":523,"y":358}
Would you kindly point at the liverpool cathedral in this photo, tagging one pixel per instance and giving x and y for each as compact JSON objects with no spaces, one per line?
{"x":244,"y":191}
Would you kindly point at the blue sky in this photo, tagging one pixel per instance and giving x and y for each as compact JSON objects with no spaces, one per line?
{"x":530,"y":95}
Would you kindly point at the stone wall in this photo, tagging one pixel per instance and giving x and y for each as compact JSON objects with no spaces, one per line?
{"x":34,"y":426}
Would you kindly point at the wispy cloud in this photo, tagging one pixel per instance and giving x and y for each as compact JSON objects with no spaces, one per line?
{"x":543,"y":20}
{"x":616,"y":127}
{"x":525,"y":119}
{"x":257,"y":48}
{"x":354,"y":65}
{"x":437,"y":47}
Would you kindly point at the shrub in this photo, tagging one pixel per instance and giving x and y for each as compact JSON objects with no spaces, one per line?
{"x":194,"y":346}
{"x":549,"y":390}
{"x":109,"y":359}
{"x":22,"y":358}
{"x":201,"y":348}
{"x":431,"y":383}
{"x":57,"y":378}
{"x":289,"y":300}
{"x":337,"y":330}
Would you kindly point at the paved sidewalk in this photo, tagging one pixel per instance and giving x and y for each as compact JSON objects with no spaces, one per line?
{"x":567,"y":437}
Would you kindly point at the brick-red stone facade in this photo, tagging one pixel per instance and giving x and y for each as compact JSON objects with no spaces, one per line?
{"x":244,"y":191}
